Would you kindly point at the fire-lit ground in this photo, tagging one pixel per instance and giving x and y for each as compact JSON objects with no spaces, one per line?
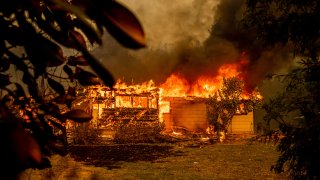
{"x":163,"y":161}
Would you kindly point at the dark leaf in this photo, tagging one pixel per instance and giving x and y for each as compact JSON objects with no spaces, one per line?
{"x":59,"y":100}
{"x":123,"y":25}
{"x":98,"y":68}
{"x":28,"y":78}
{"x":68,"y":71}
{"x":86,"y":78}
{"x":69,"y":104}
{"x":77,"y":60}
{"x":51,"y":109}
{"x":19,"y":64}
{"x":36,"y":55}
{"x":56,"y":54}
{"x":6,"y":98}
{"x":62,"y":19}
{"x":49,"y":26}
{"x":42,"y":130}
{"x":4,"y":64}
{"x":81,"y":16}
{"x":2,"y":46}
{"x":26,"y":147}
{"x":72,"y":91}
{"x":51,"y":53}
{"x":7,"y":8}
{"x":64,"y":99}
{"x":34,"y":92}
{"x":14,"y":36}
{"x":76,"y":40}
{"x":66,"y":33}
{"x":61,"y":119}
{"x":4,"y":80}
{"x":56,"y":87}
{"x":78,"y":115}
{"x":22,"y":99}
{"x":46,"y":54}
{"x":54,"y":111}
{"x":103,"y":73}
{"x":91,"y":34}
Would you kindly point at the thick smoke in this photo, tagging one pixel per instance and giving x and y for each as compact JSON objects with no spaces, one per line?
{"x":192,"y":38}
{"x":175,"y":30}
{"x":226,"y":29}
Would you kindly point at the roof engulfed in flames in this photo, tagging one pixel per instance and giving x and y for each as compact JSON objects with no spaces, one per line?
{"x":150,"y":96}
{"x":178,"y":86}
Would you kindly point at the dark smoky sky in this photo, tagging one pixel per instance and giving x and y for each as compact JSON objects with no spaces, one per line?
{"x":192,"y":38}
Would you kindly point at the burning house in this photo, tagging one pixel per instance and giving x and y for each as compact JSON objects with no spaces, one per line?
{"x":124,"y":104}
{"x":190,"y":113}
{"x":176,"y":103}
{"x":146,"y":104}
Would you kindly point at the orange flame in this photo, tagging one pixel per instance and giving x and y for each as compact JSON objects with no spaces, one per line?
{"x":148,"y":95}
{"x":177,"y":86}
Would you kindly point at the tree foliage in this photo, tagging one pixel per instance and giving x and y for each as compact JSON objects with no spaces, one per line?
{"x":225,"y":103}
{"x":33,"y":37}
{"x":286,"y":22}
{"x":293,"y":24}
{"x":297,"y":112}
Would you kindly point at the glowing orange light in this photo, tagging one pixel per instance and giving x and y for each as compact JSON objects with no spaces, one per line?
{"x":175,"y":86}
{"x":204,"y":86}
{"x":148,"y":95}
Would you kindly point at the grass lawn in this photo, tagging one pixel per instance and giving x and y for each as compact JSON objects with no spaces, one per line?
{"x":163,"y":161}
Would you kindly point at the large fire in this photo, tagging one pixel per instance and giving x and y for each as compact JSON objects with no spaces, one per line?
{"x":177,"y":86}
{"x":151,"y":100}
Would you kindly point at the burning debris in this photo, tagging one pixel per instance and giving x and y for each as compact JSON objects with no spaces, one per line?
{"x":122,"y":104}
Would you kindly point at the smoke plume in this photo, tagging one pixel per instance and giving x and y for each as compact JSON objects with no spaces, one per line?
{"x":192,"y":38}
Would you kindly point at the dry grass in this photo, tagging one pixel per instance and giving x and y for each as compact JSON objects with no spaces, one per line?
{"x":178,"y":161}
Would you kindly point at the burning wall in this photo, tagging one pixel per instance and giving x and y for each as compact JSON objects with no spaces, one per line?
{"x":187,"y":113}
{"x":190,"y":114}
{"x":176,"y":103}
{"x":123,"y":104}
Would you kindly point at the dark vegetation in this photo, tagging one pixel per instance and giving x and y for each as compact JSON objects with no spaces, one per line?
{"x":34,"y":103}
{"x":293,"y":24}
{"x":225,"y":103}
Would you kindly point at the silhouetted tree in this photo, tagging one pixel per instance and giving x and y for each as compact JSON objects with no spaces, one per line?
{"x":293,"y":24}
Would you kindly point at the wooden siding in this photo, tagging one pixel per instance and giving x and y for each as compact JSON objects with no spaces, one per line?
{"x":187,"y":113}
{"x":242,"y":124}
{"x":191,"y":114}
